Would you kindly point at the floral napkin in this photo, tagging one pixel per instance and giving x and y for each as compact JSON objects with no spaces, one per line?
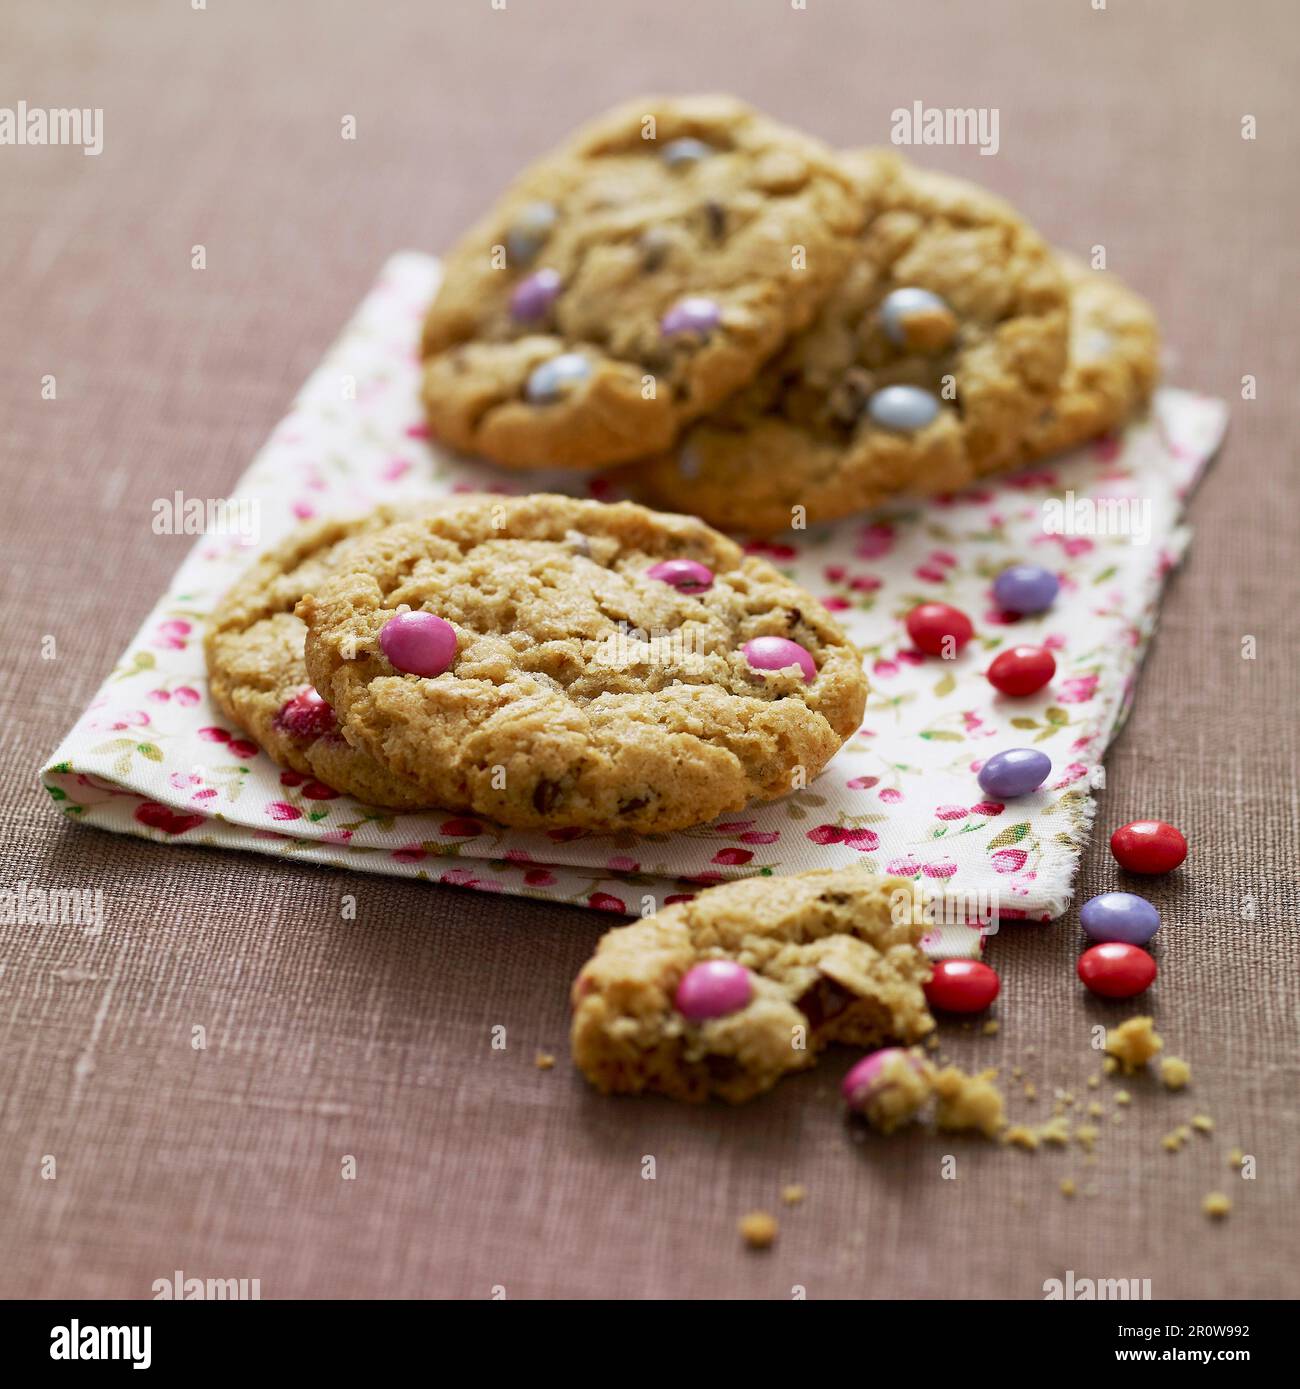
{"x":151,"y":757}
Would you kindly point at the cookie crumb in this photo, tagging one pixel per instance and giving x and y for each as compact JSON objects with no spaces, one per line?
{"x":1109,"y":1066}
{"x":1236,"y":1157}
{"x":1021,"y":1136}
{"x":1216,"y":1205}
{"x":992,"y":1027}
{"x":1093,"y":1082}
{"x":1171,"y":1142}
{"x":793,"y":1193}
{"x":758,"y":1229}
{"x":968,"y":1102}
{"x":1175,"y":1072}
{"x":1123,"y":1097}
{"x":1086,"y":1135}
{"x":544,"y":1061}
{"x":1096,"y":1111}
{"x":1133,"y":1043}
{"x":1202,"y":1123}
{"x":1031,"y":1090}
{"x":1056,"y":1132}
{"x":1068,"y":1187}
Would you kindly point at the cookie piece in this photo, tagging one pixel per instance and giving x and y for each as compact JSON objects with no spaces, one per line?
{"x":253,"y":645}
{"x":1113,"y":366}
{"x":926,"y":368}
{"x":580,"y":665}
{"x":629,"y":282}
{"x":820,"y":957}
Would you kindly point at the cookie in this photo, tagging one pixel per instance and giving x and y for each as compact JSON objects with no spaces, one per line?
{"x":1113,"y":366}
{"x":925,"y":369}
{"x":556,"y":663}
{"x":629,"y":282}
{"x":725,"y":994}
{"x":256,"y":677}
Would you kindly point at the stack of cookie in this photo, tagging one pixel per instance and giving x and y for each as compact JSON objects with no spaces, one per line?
{"x":769,"y":334}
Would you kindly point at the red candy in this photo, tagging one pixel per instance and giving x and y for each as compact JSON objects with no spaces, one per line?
{"x":1148,"y":846}
{"x":962,"y":986}
{"x":1022,"y":670}
{"x":932,"y":624}
{"x":1116,"y":970}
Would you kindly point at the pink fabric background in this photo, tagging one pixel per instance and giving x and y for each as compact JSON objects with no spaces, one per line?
{"x":371,"y":1037}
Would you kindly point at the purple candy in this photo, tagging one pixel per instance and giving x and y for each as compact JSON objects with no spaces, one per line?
{"x":685,"y":575}
{"x":712,"y":990}
{"x":778,"y":653}
{"x":1015,"y":772}
{"x":694,"y":314}
{"x":534,"y":295}
{"x":1119,"y":916}
{"x":863,"y":1079}
{"x":1025,"y":588}
{"x":418,"y":643}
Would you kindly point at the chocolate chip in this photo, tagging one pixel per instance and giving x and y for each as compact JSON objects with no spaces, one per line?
{"x":638,"y":803}
{"x":716,"y":216}
{"x":545,"y":795}
{"x":823,"y":1002}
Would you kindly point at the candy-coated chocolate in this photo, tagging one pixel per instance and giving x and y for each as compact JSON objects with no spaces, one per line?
{"x":778,"y":653}
{"x":1117,"y":970}
{"x":685,"y":575}
{"x":962,"y":986}
{"x":938,"y":630}
{"x":418,"y":643}
{"x":677,"y":154}
{"x":306,"y":715}
{"x":1121,"y":916}
{"x":903,"y":409}
{"x":1014,"y":772}
{"x":713,"y":989}
{"x":693,"y":314}
{"x":1148,"y":846}
{"x":534,"y":294}
{"x":549,"y":381}
{"x":1022,"y":670}
{"x":1025,"y":588}
{"x":528,"y":233}
{"x":901,"y":304}
{"x":863,"y":1079}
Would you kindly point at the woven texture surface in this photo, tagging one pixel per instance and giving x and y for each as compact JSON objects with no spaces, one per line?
{"x":330,"y":1037}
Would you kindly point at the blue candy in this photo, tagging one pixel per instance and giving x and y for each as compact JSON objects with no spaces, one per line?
{"x":898,"y":305}
{"x":1015,"y":772}
{"x":1025,"y":588}
{"x":549,"y":381}
{"x":677,"y":153}
{"x":528,"y":233}
{"x":1121,"y":916}
{"x":902,"y":408}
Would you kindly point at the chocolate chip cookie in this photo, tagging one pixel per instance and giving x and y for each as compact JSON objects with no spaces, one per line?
{"x":927,"y":367}
{"x":725,"y":994}
{"x":632,"y":280}
{"x":556,"y":663}
{"x":253,"y":644}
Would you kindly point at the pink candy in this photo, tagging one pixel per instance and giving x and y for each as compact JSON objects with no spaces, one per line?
{"x":863,"y":1081}
{"x":778,"y":653}
{"x":419,"y":643}
{"x":713,"y":989}
{"x":685,"y":575}
{"x":306,"y":715}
